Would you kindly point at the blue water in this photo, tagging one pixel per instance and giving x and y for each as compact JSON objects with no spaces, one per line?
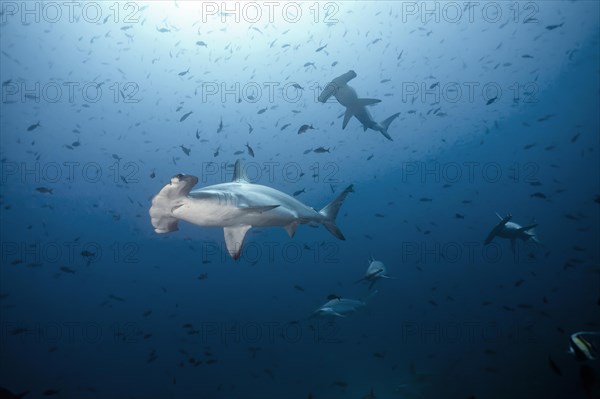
{"x":498,"y":111}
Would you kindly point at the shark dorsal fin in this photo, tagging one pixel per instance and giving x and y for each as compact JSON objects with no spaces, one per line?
{"x":239,"y":175}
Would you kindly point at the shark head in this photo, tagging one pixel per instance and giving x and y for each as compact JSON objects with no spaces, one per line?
{"x":332,"y":88}
{"x":167,"y":199}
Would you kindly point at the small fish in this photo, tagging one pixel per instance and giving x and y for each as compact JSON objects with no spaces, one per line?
{"x":459,"y":216}
{"x":87,"y":253}
{"x":239,"y":152}
{"x":197,"y":135}
{"x":152,"y":175}
{"x":184,"y":72}
{"x":261,"y":111}
{"x":147,"y":313}
{"x":185,"y":150}
{"x":19,"y":330}
{"x":201,"y":43}
{"x":297,"y":193}
{"x":185,"y":116}
{"x":319,"y":49}
{"x":574,"y":138}
{"x":312,"y":64}
{"x":545,"y":118}
{"x":553,"y":366}
{"x":307,"y":151}
{"x":552,"y":27}
{"x":581,"y":348}
{"x":66,"y":269}
{"x":538,"y":194}
{"x":299,"y":288}
{"x":491,"y":100}
{"x":250,"y":128}
{"x":425,"y":199}
{"x":33,"y":127}
{"x":216,"y":153}
{"x":220,"y":129}
{"x":304,"y":128}
{"x":370,"y":157}
{"x":250,"y":150}
{"x":284,"y":126}
{"x":163,"y":30}
{"x":44,"y":190}
{"x":297,"y":86}
{"x":321,"y":150}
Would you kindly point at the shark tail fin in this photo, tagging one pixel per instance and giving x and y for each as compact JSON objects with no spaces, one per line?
{"x":168,"y":199}
{"x":386,"y":123}
{"x":330,"y":211}
{"x":532,"y":234}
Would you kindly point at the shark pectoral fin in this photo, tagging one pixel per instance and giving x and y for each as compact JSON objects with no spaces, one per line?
{"x":347,"y":117}
{"x":258,"y":209}
{"x":291,"y":228}
{"x":367,"y":101}
{"x":490,"y":237}
{"x":337,"y":314}
{"x":234,"y":239}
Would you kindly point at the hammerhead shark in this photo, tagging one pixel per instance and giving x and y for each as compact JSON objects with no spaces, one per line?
{"x":355,"y":106}
{"x":237,"y":206}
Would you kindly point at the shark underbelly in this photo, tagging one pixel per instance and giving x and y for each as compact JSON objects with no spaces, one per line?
{"x":216,"y":215}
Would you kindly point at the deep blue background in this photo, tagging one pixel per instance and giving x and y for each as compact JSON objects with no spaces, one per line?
{"x":458,"y":319}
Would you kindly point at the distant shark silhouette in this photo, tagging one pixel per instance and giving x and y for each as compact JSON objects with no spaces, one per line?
{"x":342,"y":307}
{"x":513,"y":231}
{"x":375,"y":271}
{"x":355,"y":106}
